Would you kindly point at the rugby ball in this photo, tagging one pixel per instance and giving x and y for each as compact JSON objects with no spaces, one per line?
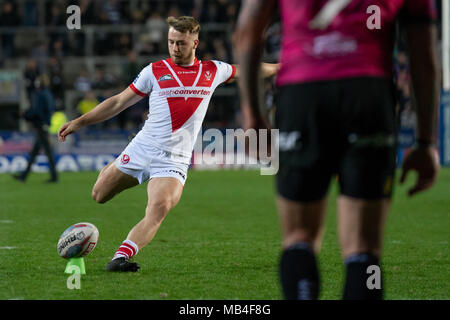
{"x":78,"y":240}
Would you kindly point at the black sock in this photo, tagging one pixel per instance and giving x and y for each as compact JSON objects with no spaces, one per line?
{"x":362,"y":282}
{"x":299,"y":273}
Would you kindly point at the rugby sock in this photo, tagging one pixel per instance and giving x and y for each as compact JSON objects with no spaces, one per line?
{"x":126,"y":250}
{"x":362,"y":282}
{"x":299,"y":273}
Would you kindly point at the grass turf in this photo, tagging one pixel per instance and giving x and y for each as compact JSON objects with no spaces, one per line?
{"x":221,"y":241}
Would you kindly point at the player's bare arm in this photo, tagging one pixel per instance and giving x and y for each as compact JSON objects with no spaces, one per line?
{"x":255,"y":16}
{"x":267,"y":70}
{"x":422,"y":40}
{"x":102,"y":112}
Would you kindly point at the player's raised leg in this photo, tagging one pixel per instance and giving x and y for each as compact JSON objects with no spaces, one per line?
{"x":361,"y":224}
{"x":110,"y":182}
{"x":302,"y":227}
{"x":163,"y":194}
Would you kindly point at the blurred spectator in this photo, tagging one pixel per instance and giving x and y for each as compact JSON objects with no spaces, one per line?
{"x":57,"y":120}
{"x":39,"y":115}
{"x":30,"y":13}
{"x":87,"y":9}
{"x":231,"y":13}
{"x":103,"y":79}
{"x":8,"y":18}
{"x":83,"y":83}
{"x":144,"y":45}
{"x":174,"y":11}
{"x":88,"y":103}
{"x":55,"y":15}
{"x":137,"y":17}
{"x":137,"y":114}
{"x":157,"y":29}
{"x":211,"y":13}
{"x":130,"y":69}
{"x":57,"y":49}
{"x":273,"y":43}
{"x":31,"y":73}
{"x":40,"y":53}
{"x":406,"y":110}
{"x":113,"y":11}
{"x":103,"y":39}
{"x":124,"y":44}
{"x":56,"y":80}
{"x":220,"y":50}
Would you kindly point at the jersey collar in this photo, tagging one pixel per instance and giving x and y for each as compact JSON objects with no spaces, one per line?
{"x":173,"y":64}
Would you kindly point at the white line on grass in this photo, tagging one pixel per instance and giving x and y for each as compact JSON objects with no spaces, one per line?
{"x":7,"y":248}
{"x":6,"y":221}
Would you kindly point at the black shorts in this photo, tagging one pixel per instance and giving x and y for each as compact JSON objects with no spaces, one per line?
{"x":342,"y":127}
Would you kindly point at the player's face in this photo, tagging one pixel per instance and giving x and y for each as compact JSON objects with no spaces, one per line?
{"x":182,"y":46}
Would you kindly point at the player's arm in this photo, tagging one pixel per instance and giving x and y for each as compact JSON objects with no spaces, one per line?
{"x":267,"y":70}
{"x":102,"y":112}
{"x":425,"y":77}
{"x":248,"y":41}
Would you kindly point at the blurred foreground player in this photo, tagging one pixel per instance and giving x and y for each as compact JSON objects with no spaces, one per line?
{"x":336,"y":110}
{"x":180,"y":89}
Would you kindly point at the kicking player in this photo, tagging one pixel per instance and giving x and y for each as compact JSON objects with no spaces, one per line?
{"x":336,"y":101}
{"x":179,"y":90}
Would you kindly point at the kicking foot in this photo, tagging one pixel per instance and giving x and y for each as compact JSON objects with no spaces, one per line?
{"x":122,"y":265}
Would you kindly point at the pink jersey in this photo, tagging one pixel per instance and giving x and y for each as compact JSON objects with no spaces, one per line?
{"x":350,"y":45}
{"x":179,"y":98}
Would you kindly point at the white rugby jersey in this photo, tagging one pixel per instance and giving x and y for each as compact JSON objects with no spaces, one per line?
{"x":179,"y":98}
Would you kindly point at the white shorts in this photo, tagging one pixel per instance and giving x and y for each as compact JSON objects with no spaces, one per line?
{"x":145,"y":162}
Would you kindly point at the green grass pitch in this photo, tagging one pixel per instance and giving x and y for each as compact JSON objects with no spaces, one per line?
{"x":221,"y":241}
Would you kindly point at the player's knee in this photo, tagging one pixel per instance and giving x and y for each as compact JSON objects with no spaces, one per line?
{"x":98,"y":196}
{"x":160,"y":207}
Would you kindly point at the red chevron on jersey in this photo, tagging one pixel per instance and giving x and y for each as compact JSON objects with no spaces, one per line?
{"x":163,"y":75}
{"x":186,"y":75}
{"x":182,"y":109}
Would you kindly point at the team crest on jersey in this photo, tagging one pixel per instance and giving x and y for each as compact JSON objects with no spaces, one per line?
{"x":125,"y":159}
{"x":208,"y":75}
{"x":165,"y":77}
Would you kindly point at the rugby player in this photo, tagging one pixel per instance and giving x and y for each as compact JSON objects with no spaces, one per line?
{"x":179,"y":90}
{"x":336,"y":102}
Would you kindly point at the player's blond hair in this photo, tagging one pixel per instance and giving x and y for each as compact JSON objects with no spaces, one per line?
{"x":184,"y":24}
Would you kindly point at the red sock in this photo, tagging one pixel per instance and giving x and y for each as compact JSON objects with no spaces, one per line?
{"x":126,"y":250}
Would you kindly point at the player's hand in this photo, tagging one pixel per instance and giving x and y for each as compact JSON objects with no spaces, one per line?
{"x":426,"y":162}
{"x":68,"y":128}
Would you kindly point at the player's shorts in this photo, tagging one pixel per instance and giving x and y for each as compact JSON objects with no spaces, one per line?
{"x":145,"y":162}
{"x":343,"y":127}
